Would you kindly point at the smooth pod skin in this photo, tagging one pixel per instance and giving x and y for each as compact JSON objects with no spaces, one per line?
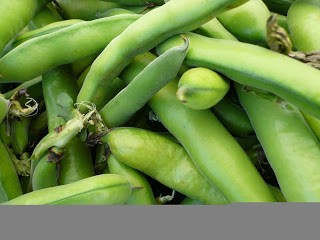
{"x":214,"y":29}
{"x":233,"y":117}
{"x":288,"y":142}
{"x":105,"y":189}
{"x":76,"y":163}
{"x":211,"y":147}
{"x":38,"y":32}
{"x":15,"y":15}
{"x":103,"y":95}
{"x":163,"y":160}
{"x":303,"y":20}
{"x":9,"y":182}
{"x":201,"y":88}
{"x":61,"y":48}
{"x":257,"y":67}
{"x":247,"y":22}
{"x":45,"y":174}
{"x":172,"y":18}
{"x":20,"y":134}
{"x":143,"y":194}
{"x":91,"y":9}
{"x":147,"y":83}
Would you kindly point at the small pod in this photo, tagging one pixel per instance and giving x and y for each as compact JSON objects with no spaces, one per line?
{"x":105,"y":189}
{"x":143,"y":194}
{"x":201,"y":88}
{"x":20,"y":134}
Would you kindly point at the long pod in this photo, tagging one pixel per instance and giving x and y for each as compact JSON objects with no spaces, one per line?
{"x":105,"y":189}
{"x":288,"y":142}
{"x":163,"y":160}
{"x":172,"y":18}
{"x":257,"y":67}
{"x":92,"y":37}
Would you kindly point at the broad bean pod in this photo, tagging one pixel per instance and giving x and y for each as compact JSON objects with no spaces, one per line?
{"x":172,"y":18}
{"x":247,"y":22}
{"x":163,"y":160}
{"x":290,"y":146}
{"x":257,"y":67}
{"x":303,"y":20}
{"x":105,"y":189}
{"x":60,"y":46}
{"x":143,"y":194}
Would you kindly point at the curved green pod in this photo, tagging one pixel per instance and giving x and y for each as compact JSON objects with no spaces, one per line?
{"x":257,"y":67}
{"x":174,"y":17}
{"x":142,"y":195}
{"x":303,"y":20}
{"x":147,"y":83}
{"x":137,"y":2}
{"x":163,"y":160}
{"x":211,"y":147}
{"x":61,"y":47}
{"x":105,"y":189}
{"x":247,"y":22}
{"x":290,"y":146}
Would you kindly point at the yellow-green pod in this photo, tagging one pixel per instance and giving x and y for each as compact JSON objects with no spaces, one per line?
{"x":105,"y":189}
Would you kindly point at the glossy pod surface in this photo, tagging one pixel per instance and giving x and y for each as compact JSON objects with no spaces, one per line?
{"x":104,"y":189}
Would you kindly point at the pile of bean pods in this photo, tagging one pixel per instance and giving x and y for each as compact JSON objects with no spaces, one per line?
{"x":159,"y":102}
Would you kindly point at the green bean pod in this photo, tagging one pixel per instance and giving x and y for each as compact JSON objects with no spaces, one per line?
{"x":247,"y":22}
{"x":91,"y":9}
{"x":134,"y":96}
{"x":76,"y":163}
{"x":9,"y":182}
{"x":163,"y":160}
{"x":38,"y":32}
{"x":45,"y":174}
{"x":15,"y":16}
{"x":257,"y":67}
{"x":144,"y":34}
{"x":288,"y":142}
{"x":19,"y":134}
{"x":303,"y":20}
{"x":106,"y":189}
{"x":213,"y":150}
{"x":214,"y":29}
{"x":201,"y":88}
{"x":190,"y":201}
{"x":233,"y":117}
{"x":61,"y":48}
{"x":103,"y":95}
{"x":143,"y":194}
